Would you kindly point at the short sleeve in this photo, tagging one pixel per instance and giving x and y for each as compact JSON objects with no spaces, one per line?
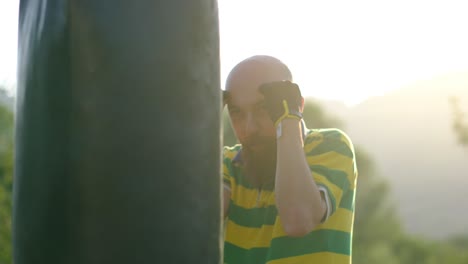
{"x":331,"y":158}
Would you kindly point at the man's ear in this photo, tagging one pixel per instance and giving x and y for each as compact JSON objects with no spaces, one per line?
{"x":225,"y":97}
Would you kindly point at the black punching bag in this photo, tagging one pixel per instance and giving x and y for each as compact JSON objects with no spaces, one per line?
{"x":117,"y":133}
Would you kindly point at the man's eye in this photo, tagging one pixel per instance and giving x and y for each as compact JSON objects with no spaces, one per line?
{"x":261,"y":107}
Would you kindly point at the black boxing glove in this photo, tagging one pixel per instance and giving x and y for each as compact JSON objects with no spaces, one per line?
{"x":283,"y":100}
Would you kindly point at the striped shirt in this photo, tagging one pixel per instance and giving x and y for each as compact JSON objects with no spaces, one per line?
{"x":253,"y":231}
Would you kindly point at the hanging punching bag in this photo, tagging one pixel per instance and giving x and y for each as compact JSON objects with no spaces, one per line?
{"x":117,"y":133}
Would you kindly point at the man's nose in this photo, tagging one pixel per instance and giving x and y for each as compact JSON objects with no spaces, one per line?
{"x":251,"y":124}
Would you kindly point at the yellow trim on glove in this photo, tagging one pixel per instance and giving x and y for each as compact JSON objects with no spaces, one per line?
{"x":286,"y":114}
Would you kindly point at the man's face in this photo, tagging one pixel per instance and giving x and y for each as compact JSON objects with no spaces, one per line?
{"x":249,"y":118}
{"x":246,"y":106}
{"x":252,"y":125}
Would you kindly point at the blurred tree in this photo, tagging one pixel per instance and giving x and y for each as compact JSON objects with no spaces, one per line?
{"x":377,"y":225}
{"x":459,"y":241}
{"x":418,"y":250}
{"x":460,"y":124}
{"x":316,"y":117}
{"x":6,"y":179}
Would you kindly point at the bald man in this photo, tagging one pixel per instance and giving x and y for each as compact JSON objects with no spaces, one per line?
{"x":288,"y":190}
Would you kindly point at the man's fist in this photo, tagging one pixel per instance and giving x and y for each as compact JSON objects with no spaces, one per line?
{"x":283,"y":99}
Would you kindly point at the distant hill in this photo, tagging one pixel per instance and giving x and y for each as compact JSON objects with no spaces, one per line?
{"x":409,"y":134}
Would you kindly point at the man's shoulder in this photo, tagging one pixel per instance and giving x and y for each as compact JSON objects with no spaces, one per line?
{"x":333,"y":139}
{"x":326,"y":134}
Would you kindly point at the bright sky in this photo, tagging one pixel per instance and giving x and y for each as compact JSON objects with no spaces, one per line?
{"x":8,"y":41}
{"x":340,"y":50}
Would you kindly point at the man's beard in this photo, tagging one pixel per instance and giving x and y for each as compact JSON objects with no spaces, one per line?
{"x":260,"y":165}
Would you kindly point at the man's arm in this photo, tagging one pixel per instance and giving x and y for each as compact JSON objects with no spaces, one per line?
{"x":300,"y":204}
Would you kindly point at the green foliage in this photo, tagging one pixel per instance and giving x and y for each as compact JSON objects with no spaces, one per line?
{"x":6,"y":180}
{"x":460,"y":124}
{"x":417,"y":250}
{"x":376,"y":225}
{"x":315,"y":117}
{"x":459,"y":242}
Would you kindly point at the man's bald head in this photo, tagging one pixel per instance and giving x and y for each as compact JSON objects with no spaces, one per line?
{"x":256,"y":70}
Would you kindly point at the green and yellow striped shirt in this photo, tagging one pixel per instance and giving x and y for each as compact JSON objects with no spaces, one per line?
{"x":253,"y":231}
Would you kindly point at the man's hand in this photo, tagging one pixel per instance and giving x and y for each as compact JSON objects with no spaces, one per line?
{"x":283,"y":100}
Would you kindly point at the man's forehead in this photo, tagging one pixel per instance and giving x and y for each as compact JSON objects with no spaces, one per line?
{"x":246,"y":77}
{"x":244,"y":97}
{"x":251,"y":76}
